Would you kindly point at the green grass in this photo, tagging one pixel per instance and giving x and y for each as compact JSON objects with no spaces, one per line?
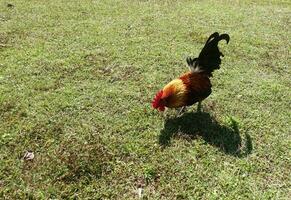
{"x":77,"y":79}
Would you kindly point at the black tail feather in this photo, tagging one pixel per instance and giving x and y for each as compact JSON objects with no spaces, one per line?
{"x":224,"y":37}
{"x":212,"y":36}
{"x":191,"y":61}
{"x":209,"y":57}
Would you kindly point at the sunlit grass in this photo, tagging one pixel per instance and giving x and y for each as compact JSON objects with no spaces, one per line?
{"x":77,"y":78}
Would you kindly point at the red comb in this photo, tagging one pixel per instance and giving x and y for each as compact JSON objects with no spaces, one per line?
{"x":156,"y":100}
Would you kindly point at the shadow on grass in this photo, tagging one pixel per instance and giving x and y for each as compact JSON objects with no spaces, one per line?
{"x":192,"y":125}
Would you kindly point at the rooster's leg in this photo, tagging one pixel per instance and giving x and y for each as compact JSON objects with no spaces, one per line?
{"x":181,"y":110}
{"x":165,"y":113}
{"x":199,"y":107}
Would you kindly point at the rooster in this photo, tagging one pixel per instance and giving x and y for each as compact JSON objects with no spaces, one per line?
{"x":193,"y":86}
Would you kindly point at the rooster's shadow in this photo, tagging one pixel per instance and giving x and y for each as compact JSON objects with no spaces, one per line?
{"x":201,"y":124}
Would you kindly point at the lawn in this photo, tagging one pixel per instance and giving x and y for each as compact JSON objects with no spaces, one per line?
{"x":77,"y":79}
